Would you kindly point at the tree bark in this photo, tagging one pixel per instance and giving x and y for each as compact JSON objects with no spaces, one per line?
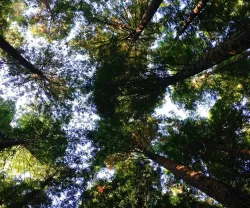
{"x":146,"y":18}
{"x":11,"y":51}
{"x":191,"y":17}
{"x":221,"y":192}
{"x":239,"y":42}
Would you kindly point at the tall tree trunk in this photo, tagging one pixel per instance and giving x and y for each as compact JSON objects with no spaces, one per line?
{"x":221,"y":192}
{"x":146,"y":18}
{"x":239,"y":42}
{"x":191,"y":17}
{"x":11,"y":51}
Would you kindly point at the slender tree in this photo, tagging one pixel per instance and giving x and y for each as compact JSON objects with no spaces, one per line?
{"x":142,"y":88}
{"x":221,"y":192}
{"x":146,"y":18}
{"x":35,"y":133}
{"x":192,"y":15}
{"x":238,"y":43}
{"x":11,"y":51}
{"x":134,"y":138}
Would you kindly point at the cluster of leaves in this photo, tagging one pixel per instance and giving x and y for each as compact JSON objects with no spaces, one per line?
{"x":132,"y":88}
{"x":30,"y":148}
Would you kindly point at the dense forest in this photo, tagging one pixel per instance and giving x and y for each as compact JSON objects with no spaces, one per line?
{"x":134,"y":103}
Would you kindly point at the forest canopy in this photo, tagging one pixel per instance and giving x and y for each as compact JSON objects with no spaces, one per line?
{"x":136,"y":103}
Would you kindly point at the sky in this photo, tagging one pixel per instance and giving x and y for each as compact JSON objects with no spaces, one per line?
{"x":169,"y":107}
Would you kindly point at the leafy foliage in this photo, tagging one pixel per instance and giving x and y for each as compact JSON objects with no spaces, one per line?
{"x":71,"y":60}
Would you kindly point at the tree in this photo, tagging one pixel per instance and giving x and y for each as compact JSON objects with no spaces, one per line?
{"x":119,"y":59}
{"x":146,"y":18}
{"x":52,"y":84}
{"x":192,"y":15}
{"x":137,"y":184}
{"x":143,"y":88}
{"x":27,"y":182}
{"x":211,"y":187}
{"x":4,"y":45}
{"x":113,"y":131}
{"x":239,"y":42}
{"x":36,"y":133}
{"x":217,"y":145}
{"x":21,"y":174}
